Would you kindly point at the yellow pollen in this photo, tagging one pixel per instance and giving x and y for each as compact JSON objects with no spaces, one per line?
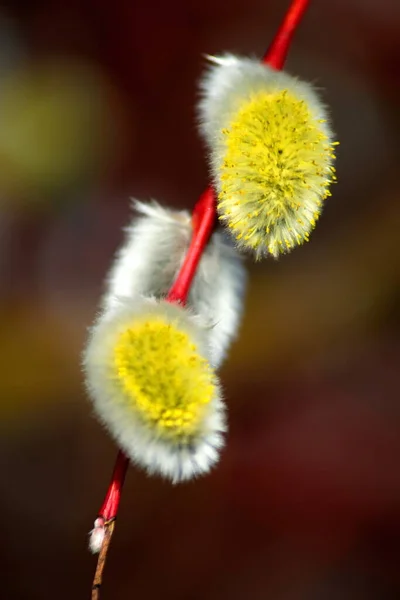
{"x":275,"y":171}
{"x":163,"y":377}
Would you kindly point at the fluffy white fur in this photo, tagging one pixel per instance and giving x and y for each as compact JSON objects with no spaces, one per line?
{"x":217,"y":294}
{"x":153,"y":250}
{"x":149,"y":261}
{"x":96,"y":536}
{"x":137,"y":439}
{"x":232,"y":79}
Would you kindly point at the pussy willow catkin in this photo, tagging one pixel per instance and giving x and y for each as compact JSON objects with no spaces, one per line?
{"x":151,"y":382}
{"x":271,"y":153}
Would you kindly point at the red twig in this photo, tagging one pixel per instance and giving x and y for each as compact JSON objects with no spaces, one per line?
{"x":110,"y":505}
{"x":276,"y":54}
{"x":101,"y":561}
{"x":203,"y":220}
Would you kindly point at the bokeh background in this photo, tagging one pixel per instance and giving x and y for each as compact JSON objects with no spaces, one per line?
{"x":97,"y":106}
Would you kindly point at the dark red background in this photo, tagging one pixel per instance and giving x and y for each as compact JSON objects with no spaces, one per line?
{"x":305,"y":503}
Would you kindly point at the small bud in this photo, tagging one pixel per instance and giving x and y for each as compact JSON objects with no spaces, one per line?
{"x":148,"y":374}
{"x":271,"y":153}
{"x":96,"y":536}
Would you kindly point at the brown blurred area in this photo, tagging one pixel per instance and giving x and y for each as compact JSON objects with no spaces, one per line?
{"x":96,"y":106}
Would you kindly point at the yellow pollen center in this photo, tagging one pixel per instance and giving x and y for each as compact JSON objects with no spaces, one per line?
{"x":275,"y":172}
{"x":163,"y":377}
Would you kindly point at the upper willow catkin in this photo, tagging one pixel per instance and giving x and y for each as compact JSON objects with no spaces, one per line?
{"x":271,"y":153}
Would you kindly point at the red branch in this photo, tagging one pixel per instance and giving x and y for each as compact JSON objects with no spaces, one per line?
{"x":276,"y":54}
{"x":203,"y":220}
{"x":110,"y":505}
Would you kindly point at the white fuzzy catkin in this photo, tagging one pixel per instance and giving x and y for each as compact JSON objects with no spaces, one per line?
{"x":149,"y":261}
{"x":147,"y":440}
{"x":271,"y":152}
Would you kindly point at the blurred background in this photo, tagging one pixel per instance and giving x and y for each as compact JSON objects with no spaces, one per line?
{"x":97,"y":106}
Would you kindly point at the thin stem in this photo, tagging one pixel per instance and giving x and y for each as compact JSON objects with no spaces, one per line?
{"x":276,"y":54}
{"x":105,"y":522}
{"x":98,"y":576}
{"x":111,"y":502}
{"x":203,"y":222}
{"x":203,"y":219}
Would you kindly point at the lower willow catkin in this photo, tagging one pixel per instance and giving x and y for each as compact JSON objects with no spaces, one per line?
{"x":149,"y":365}
{"x":148,"y":373}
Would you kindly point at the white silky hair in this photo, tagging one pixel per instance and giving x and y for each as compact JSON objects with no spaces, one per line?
{"x":96,"y":536}
{"x":154,"y":248}
{"x":168,"y":458}
{"x":150,"y":258}
{"x":229,"y":81}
